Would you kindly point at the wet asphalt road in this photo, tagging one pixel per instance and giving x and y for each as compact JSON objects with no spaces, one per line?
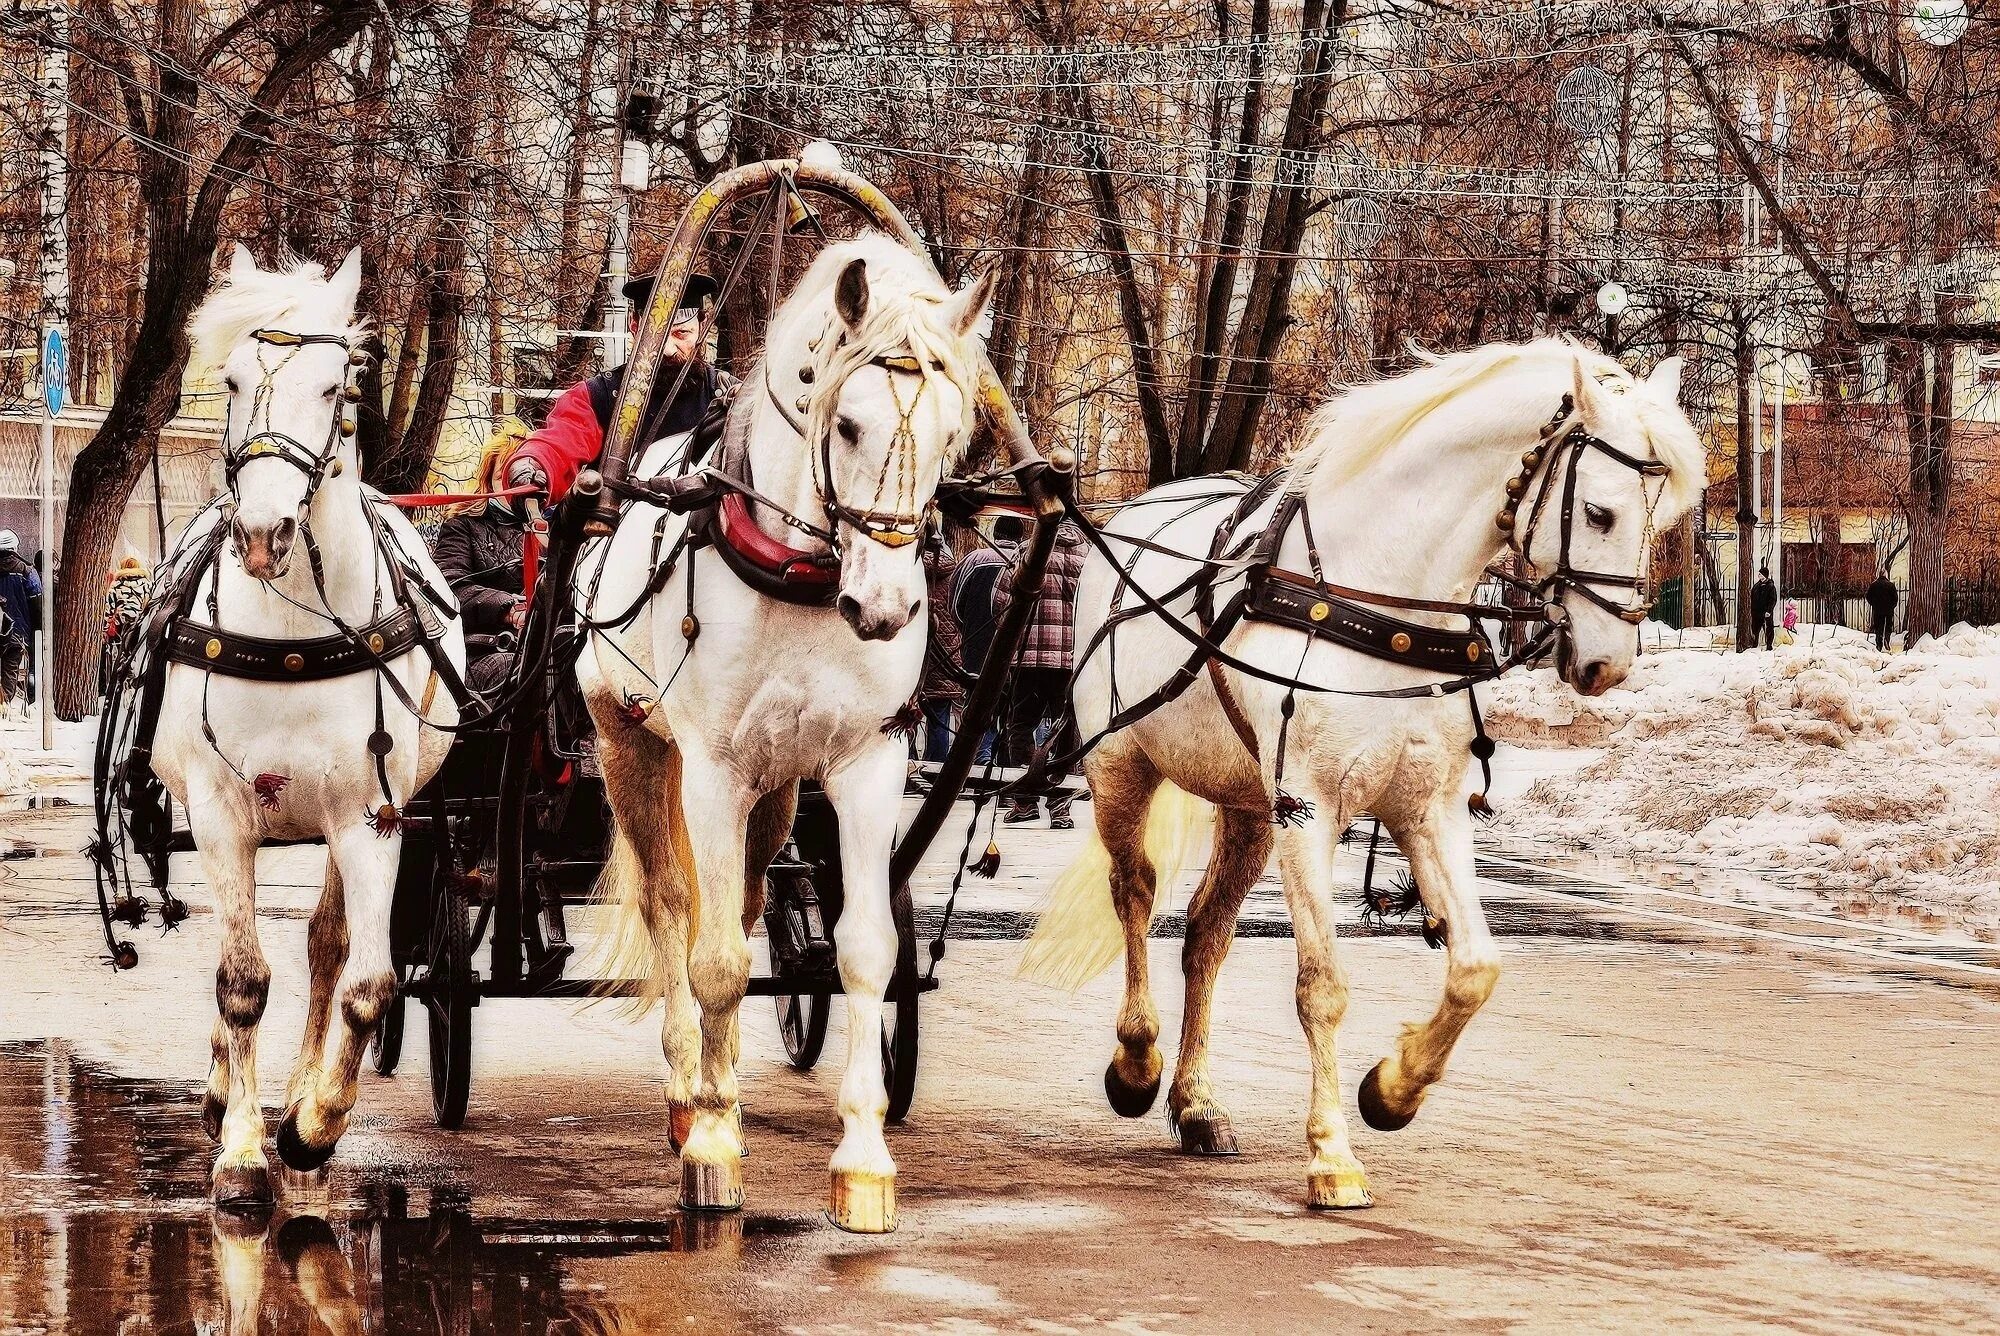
{"x":1657,"y":1122}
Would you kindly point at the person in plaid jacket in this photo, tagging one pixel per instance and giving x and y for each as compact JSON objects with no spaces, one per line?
{"x":1041,"y":671}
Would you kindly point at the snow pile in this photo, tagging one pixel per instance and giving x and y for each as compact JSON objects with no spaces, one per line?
{"x":26,"y":768}
{"x":1859,"y":770}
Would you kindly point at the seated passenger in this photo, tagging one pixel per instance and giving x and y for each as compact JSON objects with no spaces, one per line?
{"x":479,"y":552}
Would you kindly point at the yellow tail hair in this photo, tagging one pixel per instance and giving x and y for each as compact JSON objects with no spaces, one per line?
{"x":636,"y":944}
{"x":1079,"y":934}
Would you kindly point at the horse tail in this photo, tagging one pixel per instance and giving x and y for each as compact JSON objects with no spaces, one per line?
{"x":1079,"y":933}
{"x":647,"y":883}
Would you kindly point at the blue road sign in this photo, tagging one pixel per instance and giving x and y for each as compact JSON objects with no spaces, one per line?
{"x":55,"y":371}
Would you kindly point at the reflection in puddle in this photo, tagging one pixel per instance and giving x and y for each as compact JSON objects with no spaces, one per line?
{"x":105,"y":1227}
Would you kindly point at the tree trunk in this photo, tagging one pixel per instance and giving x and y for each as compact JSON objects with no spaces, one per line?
{"x":1267,"y":309}
{"x":1927,"y":409}
{"x":1217,"y":289}
{"x":1746,"y":466}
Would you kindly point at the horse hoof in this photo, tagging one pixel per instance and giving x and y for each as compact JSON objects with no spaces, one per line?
{"x":294,"y":1151}
{"x":711,"y":1187}
{"x":1206,"y":1134}
{"x":1338,"y":1190}
{"x":1127,"y":1100}
{"x":212,"y":1112}
{"x":1375,"y":1110}
{"x":243,"y":1189}
{"x":863,"y":1203}
{"x":680,"y":1124}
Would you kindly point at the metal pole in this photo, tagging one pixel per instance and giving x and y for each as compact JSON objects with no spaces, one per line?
{"x":55,"y":314}
{"x":1778,"y":467}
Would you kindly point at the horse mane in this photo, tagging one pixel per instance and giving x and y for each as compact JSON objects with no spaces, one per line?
{"x":1351,"y":431}
{"x":296,"y":297}
{"x":905,"y":297}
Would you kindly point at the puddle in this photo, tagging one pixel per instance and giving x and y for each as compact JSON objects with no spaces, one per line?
{"x":105,"y":1227}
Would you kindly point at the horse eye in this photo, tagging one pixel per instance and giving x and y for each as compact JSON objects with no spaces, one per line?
{"x":331,"y":390}
{"x":1599,"y":518}
{"x":849,"y":432}
{"x":937,"y":364}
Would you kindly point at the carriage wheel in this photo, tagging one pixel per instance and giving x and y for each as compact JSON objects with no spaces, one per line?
{"x":899,"y":1021}
{"x":448,"y":998}
{"x":793,"y":920}
{"x":386,"y":1049}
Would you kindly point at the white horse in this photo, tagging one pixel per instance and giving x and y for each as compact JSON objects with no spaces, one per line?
{"x":1410,"y":487}
{"x":716,"y":699}
{"x":252,"y":760}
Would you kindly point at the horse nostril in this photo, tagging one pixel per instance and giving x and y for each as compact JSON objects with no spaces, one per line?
{"x":914,"y":605}
{"x":850,"y":608}
{"x":282,"y":534}
{"x":239,"y":536}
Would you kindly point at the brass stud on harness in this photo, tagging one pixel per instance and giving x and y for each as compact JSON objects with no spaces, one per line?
{"x":1472,"y":651}
{"x":295,"y":662}
{"x":1320,"y":612}
{"x":1400,"y":642}
{"x":213,"y":649}
{"x":375,"y":642}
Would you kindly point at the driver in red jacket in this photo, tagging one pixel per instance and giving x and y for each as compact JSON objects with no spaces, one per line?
{"x":573,"y":436}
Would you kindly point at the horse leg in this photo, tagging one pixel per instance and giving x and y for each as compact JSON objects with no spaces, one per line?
{"x":1335,"y":1180}
{"x":862,"y":1195}
{"x":1121,"y":790}
{"x":241,"y":1178}
{"x":1242,"y":846}
{"x":317,"y":1114}
{"x":1438,"y":843}
{"x":770,"y":827}
{"x":714,"y":814}
{"x":326,"y":952}
{"x":642,"y":778}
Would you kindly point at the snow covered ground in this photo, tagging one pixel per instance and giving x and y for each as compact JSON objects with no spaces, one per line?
{"x":1852,"y":770}
{"x":26,"y":770}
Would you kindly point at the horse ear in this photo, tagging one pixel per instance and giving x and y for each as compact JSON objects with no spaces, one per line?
{"x":346,"y":280}
{"x":1591,"y":398}
{"x":242,"y":264}
{"x":850,"y":293}
{"x":1665,"y":382}
{"x":967,"y":309}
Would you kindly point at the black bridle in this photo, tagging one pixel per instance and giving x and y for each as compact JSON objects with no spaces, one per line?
{"x":1564,"y":448}
{"x":316,"y":465}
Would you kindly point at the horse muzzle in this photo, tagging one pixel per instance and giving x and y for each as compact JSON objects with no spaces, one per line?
{"x":264,"y":550}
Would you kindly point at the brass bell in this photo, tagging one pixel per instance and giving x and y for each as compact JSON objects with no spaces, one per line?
{"x":347,"y":425}
{"x":1505,"y":519}
{"x":353,"y":393}
{"x":1532,"y":460}
{"x":1516,"y":486}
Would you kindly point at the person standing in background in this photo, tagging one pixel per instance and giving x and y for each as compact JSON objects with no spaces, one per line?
{"x":1882,"y":599}
{"x":21,"y":600}
{"x":1763,"y":603}
{"x":1041,"y":672}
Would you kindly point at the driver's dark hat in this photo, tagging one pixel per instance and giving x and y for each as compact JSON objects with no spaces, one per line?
{"x":639,"y":290}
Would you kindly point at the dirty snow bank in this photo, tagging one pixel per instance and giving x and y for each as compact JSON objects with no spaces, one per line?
{"x":25,"y":768}
{"x":1859,"y":770}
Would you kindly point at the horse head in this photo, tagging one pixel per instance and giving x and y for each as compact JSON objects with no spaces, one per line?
{"x":1611,"y":478}
{"x":282,"y":342}
{"x":888,"y":368}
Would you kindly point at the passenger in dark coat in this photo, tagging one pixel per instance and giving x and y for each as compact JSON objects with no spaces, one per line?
{"x":1763,"y":603}
{"x":1882,"y":598}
